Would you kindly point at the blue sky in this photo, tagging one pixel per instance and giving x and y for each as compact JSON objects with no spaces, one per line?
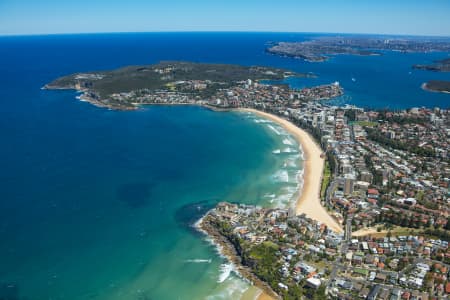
{"x":417,"y":17}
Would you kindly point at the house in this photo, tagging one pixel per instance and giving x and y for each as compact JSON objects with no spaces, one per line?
{"x":373,"y":193}
{"x":313,"y":283}
{"x":380,"y":277}
{"x":357,"y":260}
{"x":364,"y":293}
{"x":383,"y":294}
{"x":447,"y":288}
{"x":374,"y":292}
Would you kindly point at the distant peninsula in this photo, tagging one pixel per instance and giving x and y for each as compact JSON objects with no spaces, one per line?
{"x":437,"y":86}
{"x":438,"y":66}
{"x":214,"y":85}
{"x":323,"y":48}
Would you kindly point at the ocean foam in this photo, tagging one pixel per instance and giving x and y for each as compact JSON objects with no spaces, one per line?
{"x":277,"y":151}
{"x":281,"y":176}
{"x":196,"y":225}
{"x":302,"y":156}
{"x":262,"y":121}
{"x":292,"y":161}
{"x":269,"y":196}
{"x":287,"y":141}
{"x":80,"y":97}
{"x":287,"y":197}
{"x":231,"y":289}
{"x":289,"y":150}
{"x":225,"y":271}
{"x":274,"y":129}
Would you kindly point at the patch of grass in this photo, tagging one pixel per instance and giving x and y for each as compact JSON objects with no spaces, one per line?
{"x":364,"y":123}
{"x":325,"y":180}
{"x":264,"y":250}
{"x":394,"y":231}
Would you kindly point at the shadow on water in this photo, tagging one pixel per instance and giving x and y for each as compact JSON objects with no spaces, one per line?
{"x":135,"y":195}
{"x":187,"y":215}
{"x":9,"y":291}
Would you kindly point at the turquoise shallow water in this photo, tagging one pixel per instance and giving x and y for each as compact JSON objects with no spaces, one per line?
{"x":98,"y":204}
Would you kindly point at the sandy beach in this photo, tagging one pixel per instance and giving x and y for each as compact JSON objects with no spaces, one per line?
{"x":264,"y":296}
{"x":309,"y":200}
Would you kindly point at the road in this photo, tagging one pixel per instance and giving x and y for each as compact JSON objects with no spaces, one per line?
{"x":348,"y":228}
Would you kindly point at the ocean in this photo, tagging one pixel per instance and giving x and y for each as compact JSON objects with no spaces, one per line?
{"x":100,"y":204}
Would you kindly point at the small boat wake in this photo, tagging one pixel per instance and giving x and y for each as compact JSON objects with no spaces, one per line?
{"x":198,"y":261}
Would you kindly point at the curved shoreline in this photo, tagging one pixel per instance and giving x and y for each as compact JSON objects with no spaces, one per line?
{"x":309,"y":201}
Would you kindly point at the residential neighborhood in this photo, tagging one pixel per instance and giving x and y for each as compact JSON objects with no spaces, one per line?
{"x":295,"y":252}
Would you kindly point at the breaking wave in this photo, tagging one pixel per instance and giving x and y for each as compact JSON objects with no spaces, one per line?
{"x":281,"y":176}
{"x":291,"y":162}
{"x":287,"y":141}
{"x":230,"y":289}
{"x":289,"y":150}
{"x":225,"y":271}
{"x":286,"y":198}
{"x":262,"y":121}
{"x":274,"y":129}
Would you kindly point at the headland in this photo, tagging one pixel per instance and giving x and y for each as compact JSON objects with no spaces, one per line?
{"x":438,"y":66}
{"x":437,"y":86}
{"x":215,"y":85}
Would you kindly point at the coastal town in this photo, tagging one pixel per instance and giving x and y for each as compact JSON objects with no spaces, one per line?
{"x":388,"y":186}
{"x":383,"y":188}
{"x":299,"y":257}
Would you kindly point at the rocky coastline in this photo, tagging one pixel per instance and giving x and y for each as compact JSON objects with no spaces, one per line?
{"x":229,"y":251}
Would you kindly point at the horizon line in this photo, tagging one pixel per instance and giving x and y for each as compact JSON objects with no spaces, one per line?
{"x":224,"y":31}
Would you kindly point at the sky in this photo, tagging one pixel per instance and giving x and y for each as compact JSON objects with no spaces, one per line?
{"x":410,"y":17}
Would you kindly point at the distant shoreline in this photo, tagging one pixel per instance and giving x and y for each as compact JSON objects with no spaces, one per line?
{"x":425,"y":87}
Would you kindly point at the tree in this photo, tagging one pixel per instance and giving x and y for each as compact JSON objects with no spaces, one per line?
{"x":320,"y":293}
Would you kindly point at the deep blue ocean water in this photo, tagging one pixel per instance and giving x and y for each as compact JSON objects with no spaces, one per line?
{"x":97,"y":204}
